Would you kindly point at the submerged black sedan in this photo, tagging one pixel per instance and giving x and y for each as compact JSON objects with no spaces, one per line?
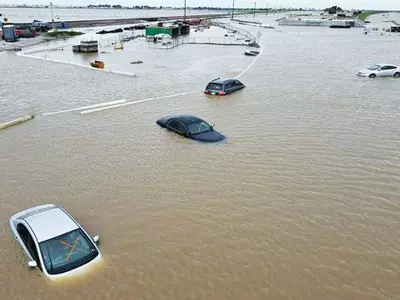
{"x":191,"y":127}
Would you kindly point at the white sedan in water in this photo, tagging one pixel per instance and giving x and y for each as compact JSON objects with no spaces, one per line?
{"x":380,"y":70}
{"x":53,"y":241}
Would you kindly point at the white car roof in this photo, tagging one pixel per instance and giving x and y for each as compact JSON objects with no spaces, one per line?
{"x":386,"y":65}
{"x":50,"y":223}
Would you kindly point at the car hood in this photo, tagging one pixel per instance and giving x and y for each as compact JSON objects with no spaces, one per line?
{"x":91,"y":266}
{"x":209,"y":136}
{"x":365,"y":71}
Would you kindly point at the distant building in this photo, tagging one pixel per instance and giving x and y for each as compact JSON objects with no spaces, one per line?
{"x":86,"y":47}
{"x":172,"y":30}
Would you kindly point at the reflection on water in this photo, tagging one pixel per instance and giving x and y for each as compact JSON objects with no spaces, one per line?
{"x":302,"y":201}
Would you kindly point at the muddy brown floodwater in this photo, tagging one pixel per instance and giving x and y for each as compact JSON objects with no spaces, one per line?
{"x":300,"y":202}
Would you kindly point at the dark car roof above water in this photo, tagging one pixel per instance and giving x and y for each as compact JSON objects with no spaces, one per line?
{"x":187,"y":119}
{"x":220,"y":80}
{"x":206,"y":136}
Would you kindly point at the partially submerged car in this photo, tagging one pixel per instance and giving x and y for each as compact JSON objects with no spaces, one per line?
{"x":223,"y":86}
{"x":53,"y":241}
{"x":191,"y":127}
{"x":380,"y":70}
{"x":40,"y":24}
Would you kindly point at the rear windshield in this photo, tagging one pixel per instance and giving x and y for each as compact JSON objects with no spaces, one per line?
{"x":214,"y":86}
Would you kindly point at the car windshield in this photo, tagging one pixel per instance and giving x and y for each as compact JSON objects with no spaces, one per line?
{"x":67,"y":252}
{"x":199,"y":127}
{"x":374,"y":67}
{"x":214,"y":86}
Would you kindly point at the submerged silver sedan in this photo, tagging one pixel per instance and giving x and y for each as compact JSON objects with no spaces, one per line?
{"x":53,"y":241}
{"x":380,"y":70}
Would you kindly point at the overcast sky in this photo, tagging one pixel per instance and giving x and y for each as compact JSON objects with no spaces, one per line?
{"x":373,"y":4}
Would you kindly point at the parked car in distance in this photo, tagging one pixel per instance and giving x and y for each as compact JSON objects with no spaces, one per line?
{"x":40,"y":24}
{"x":191,"y":127}
{"x":380,"y":70}
{"x":223,"y":86}
{"x":53,"y":241}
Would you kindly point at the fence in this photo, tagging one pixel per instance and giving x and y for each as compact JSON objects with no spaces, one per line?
{"x":241,"y":31}
{"x":242,"y":38}
{"x":165,"y":44}
{"x":170,"y":44}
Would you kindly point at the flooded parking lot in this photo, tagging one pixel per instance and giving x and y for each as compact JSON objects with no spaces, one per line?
{"x":300,"y":202}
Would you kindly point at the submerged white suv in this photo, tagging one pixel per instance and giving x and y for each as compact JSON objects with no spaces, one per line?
{"x":53,"y":241}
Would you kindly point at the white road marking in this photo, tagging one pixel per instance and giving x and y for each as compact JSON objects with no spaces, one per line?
{"x":78,"y":65}
{"x":250,"y":65}
{"x":135,"y":102}
{"x":85,"y":107}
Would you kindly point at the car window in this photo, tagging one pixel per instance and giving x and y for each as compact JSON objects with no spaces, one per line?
{"x":29,"y":242}
{"x":66,"y":252}
{"x":199,"y":127}
{"x":181,"y":128}
{"x":237,"y":82}
{"x":230,"y":84}
{"x":176,"y":126}
{"x":384,"y":68}
{"x":214,"y":86}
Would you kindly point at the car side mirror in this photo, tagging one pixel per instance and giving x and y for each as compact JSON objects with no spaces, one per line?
{"x":212,"y":126}
{"x":96,"y":239}
{"x":32,"y":264}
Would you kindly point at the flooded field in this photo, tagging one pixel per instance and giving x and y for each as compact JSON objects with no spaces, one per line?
{"x":26,"y":15}
{"x":301,"y":201}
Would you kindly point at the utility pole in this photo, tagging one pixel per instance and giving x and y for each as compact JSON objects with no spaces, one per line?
{"x":184,"y":12}
{"x":52,"y":18}
{"x":233,"y":8}
{"x":255,"y":4}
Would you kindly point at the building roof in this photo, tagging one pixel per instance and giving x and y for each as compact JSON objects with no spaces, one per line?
{"x":50,"y":223}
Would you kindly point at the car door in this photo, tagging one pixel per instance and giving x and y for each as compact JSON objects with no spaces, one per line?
{"x":176,"y":126}
{"x":380,"y":72}
{"x":229,"y":87}
{"x":390,"y":70}
{"x":384,"y":71}
{"x":238,"y":85}
{"x":27,"y":243}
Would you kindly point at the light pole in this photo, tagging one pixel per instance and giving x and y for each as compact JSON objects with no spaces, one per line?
{"x":255,"y":4}
{"x":184,"y":12}
{"x":52,"y":18}
{"x":233,"y":8}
